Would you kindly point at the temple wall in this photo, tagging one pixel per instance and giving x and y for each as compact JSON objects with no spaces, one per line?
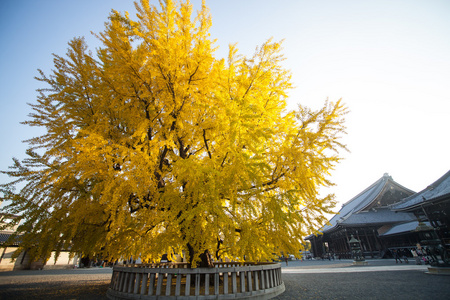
{"x":23,"y":262}
{"x":62,"y":262}
{"x":6,"y":264}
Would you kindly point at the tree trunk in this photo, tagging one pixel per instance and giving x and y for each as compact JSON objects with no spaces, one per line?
{"x":203,"y":260}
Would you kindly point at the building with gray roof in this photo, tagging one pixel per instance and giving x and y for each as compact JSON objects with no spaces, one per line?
{"x":365,"y":216}
{"x":432,"y":205}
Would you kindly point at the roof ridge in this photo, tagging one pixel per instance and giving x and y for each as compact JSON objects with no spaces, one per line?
{"x":429,"y":187}
{"x":438,"y":182}
{"x":390,"y":180}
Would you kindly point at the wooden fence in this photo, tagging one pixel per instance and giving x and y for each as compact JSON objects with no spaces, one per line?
{"x":176,"y":281}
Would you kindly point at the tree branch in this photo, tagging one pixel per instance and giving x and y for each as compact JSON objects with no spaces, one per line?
{"x":206,"y":143}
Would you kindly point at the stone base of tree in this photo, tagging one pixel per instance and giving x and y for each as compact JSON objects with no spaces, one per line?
{"x":176,"y":281}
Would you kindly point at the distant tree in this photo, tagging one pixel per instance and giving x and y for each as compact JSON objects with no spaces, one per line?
{"x":155,"y":146}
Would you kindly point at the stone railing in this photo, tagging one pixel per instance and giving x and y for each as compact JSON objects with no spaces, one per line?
{"x":176,"y":281}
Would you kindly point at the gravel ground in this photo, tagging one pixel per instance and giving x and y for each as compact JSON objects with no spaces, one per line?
{"x":396,"y":285}
{"x":90,"y":284}
{"x":83,"y":284}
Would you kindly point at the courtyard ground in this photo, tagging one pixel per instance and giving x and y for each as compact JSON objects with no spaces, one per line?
{"x":380,"y":279}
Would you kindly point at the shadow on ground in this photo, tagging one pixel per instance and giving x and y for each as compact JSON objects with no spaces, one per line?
{"x":52,"y":291}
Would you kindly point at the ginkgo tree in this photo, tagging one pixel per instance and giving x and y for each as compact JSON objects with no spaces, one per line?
{"x":153,"y":145}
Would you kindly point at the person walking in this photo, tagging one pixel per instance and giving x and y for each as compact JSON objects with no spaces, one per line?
{"x":397,"y":256}
{"x":404,"y":255}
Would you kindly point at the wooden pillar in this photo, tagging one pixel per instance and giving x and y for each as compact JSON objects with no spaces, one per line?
{"x":368,"y":242}
{"x":347,"y":245}
{"x":360,"y":244}
{"x":313,"y":246}
{"x":377,"y":242}
{"x":341,"y":245}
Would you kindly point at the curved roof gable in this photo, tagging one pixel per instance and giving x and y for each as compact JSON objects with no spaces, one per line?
{"x":381,"y":193}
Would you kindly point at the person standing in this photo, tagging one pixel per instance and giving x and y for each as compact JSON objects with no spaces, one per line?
{"x":420,"y":253}
{"x":416,"y":256}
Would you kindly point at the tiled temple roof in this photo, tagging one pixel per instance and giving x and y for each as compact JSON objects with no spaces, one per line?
{"x":5,"y":236}
{"x":438,"y":190}
{"x":370,"y":206}
{"x":374,"y":217}
{"x":403,"y":228}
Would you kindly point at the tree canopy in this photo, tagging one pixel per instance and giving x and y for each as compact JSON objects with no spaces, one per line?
{"x":153,"y":145}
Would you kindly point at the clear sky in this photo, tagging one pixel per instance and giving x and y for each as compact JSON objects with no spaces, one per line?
{"x":388,"y":60}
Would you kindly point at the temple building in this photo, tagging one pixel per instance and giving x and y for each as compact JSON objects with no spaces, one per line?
{"x":23,"y":261}
{"x":430,"y":206}
{"x":7,"y":248}
{"x":369,"y":219}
